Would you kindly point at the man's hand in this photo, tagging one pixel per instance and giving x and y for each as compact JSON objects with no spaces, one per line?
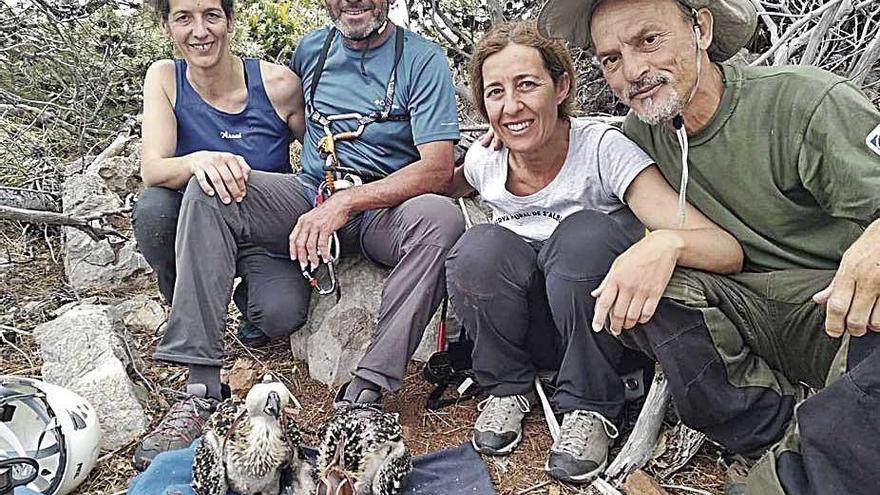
{"x":633,"y":287}
{"x":489,"y":139}
{"x":310,"y":238}
{"x":222,"y":172}
{"x":852,"y":300}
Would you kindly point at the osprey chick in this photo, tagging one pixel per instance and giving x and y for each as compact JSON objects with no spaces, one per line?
{"x":250,"y":447}
{"x":361,"y":453}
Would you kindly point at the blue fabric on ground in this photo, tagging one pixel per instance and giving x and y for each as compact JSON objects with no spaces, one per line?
{"x":458,"y":470}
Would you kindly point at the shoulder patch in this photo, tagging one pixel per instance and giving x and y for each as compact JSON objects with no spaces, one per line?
{"x":873,"y":140}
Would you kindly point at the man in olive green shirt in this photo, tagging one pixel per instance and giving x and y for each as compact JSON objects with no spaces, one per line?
{"x":786,"y":159}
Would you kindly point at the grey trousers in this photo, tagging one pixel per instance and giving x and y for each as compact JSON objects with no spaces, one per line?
{"x":413,"y":238}
{"x":262,"y":296}
{"x":527,"y":307}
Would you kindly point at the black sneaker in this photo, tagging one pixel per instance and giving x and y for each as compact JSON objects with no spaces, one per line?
{"x":250,"y":335}
{"x":357,"y":391}
{"x":177,"y":430}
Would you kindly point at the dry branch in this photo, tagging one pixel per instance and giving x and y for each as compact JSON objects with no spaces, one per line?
{"x":53,"y":218}
{"x":640,"y":444}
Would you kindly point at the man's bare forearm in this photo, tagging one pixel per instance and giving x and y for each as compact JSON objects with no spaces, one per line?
{"x":708,"y":249}
{"x":419,"y":178}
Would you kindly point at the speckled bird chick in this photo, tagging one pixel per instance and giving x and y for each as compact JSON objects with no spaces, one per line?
{"x":249,"y":447}
{"x":361,"y":453}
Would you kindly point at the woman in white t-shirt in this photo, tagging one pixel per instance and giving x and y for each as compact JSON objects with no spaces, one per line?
{"x":570,"y":198}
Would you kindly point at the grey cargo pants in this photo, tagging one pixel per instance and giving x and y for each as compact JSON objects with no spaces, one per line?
{"x":737,"y":351}
{"x":412,"y":237}
{"x":267,"y":282}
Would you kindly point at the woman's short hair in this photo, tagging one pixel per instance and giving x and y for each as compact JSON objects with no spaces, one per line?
{"x":554,"y":53}
{"x":163,"y":7}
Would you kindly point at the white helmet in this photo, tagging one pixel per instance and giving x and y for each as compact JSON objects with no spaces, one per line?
{"x":51,"y":425}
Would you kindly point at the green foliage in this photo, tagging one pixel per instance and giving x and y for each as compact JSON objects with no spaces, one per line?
{"x":270,"y":29}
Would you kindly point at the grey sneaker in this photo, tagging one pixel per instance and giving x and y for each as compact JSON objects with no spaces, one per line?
{"x":177,"y":430}
{"x":498,"y":429}
{"x":581,"y":451}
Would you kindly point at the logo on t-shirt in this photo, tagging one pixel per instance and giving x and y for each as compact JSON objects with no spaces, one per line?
{"x":873,"y":140}
{"x":230,"y":135}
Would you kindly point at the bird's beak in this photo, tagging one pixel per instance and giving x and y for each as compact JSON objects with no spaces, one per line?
{"x":273,"y":405}
{"x":335,"y":484}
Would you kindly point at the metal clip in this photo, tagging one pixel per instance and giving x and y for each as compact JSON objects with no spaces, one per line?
{"x":314,"y":283}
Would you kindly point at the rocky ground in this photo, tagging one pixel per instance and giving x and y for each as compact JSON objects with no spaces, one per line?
{"x":33,"y":288}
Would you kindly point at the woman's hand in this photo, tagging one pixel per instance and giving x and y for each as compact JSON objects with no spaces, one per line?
{"x":222,"y":172}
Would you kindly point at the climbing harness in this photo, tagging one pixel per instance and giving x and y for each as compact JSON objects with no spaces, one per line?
{"x":336,"y":176}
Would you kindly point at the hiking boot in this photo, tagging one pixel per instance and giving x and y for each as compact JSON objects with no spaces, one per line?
{"x":581,"y":451}
{"x":735,"y":478}
{"x":498,"y":429}
{"x":250,"y":335}
{"x":357,"y":391}
{"x":177,"y":430}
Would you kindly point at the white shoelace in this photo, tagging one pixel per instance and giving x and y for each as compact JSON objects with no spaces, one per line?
{"x":498,"y":410}
{"x":578,"y":425}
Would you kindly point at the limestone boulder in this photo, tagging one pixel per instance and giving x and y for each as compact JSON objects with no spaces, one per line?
{"x":98,"y":264}
{"x":336,"y":335}
{"x":88,"y":350}
{"x":141,"y":314}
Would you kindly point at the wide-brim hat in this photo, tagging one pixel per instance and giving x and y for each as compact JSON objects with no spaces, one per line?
{"x":735,"y":23}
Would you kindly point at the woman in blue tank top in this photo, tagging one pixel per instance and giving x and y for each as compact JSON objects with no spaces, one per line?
{"x":209,"y":119}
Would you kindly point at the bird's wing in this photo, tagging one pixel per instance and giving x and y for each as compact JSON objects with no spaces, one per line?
{"x":291,"y":432}
{"x":209,"y":473}
{"x":394,"y":469}
{"x":223,"y":418}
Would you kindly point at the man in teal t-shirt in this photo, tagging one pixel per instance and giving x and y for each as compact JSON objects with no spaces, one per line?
{"x":787,"y":159}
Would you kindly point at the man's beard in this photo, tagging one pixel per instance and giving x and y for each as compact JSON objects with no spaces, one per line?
{"x":358,"y":33}
{"x":655,"y":110}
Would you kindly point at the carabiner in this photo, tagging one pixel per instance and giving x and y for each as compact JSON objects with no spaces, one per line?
{"x":333,"y":254}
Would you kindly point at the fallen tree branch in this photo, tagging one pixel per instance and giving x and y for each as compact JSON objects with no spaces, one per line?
{"x":640,"y":445}
{"x":53,"y":218}
{"x":866,"y":61}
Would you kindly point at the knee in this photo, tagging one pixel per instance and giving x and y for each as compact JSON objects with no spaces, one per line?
{"x":277,"y":317}
{"x":485,"y":253}
{"x":156,"y":206}
{"x":434,"y":221}
{"x":155,"y":214}
{"x":584,"y":244}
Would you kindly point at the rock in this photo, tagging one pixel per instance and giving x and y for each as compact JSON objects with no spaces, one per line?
{"x":85,"y":350}
{"x":120,"y":173}
{"x":108,"y":388}
{"x":336,"y":336}
{"x":141,"y":314}
{"x":98,"y":264}
{"x":243,"y":375}
{"x":641,"y":483}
